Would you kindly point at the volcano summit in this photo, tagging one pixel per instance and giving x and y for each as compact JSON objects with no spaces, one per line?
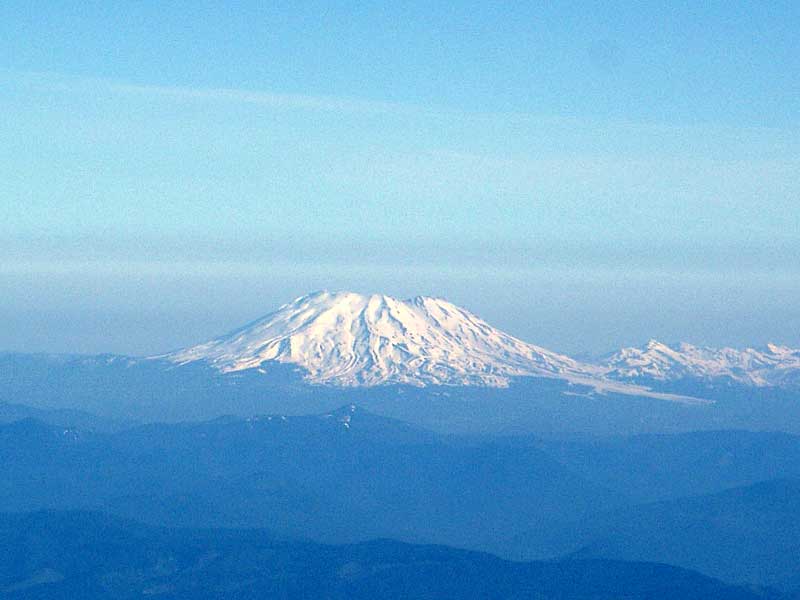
{"x":349,"y":339}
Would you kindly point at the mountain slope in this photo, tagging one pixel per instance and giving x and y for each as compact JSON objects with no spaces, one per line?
{"x":352,"y":340}
{"x":648,"y":468}
{"x":341,"y":476}
{"x":10,"y":413}
{"x":742,"y":535}
{"x":58,"y":555}
{"x":349,"y":339}
{"x":774,"y":365}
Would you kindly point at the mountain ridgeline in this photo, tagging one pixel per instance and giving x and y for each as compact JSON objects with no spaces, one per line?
{"x":267,"y":462}
{"x":724,"y":504}
{"x":425,"y":361}
{"x":66,"y":555}
{"x":349,"y":339}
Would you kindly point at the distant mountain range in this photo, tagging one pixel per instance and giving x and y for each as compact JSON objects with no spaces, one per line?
{"x":66,"y":555}
{"x":345,"y":475}
{"x":746,"y":534}
{"x":340,"y":418}
{"x":726,"y":504}
{"x":351,"y":340}
{"x":771,"y":366}
{"x":423,"y":360}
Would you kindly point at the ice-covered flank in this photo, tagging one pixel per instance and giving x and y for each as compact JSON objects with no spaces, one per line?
{"x":349,"y":339}
{"x":774,"y":365}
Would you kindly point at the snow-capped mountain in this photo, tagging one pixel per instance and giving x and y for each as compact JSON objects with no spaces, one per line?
{"x":353,"y":340}
{"x":349,"y":339}
{"x":774,"y":365}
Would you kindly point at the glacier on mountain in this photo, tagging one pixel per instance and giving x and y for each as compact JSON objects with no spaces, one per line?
{"x":771,"y":366}
{"x":352,"y":340}
{"x":349,"y":339}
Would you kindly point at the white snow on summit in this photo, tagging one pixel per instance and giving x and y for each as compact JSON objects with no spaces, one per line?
{"x":774,"y":365}
{"x":349,"y":339}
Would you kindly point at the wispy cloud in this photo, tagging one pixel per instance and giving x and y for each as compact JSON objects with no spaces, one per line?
{"x":270,"y":99}
{"x":52,"y":81}
{"x":276,"y":100}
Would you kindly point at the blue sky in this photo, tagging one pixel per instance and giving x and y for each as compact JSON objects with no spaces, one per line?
{"x":582,"y":175}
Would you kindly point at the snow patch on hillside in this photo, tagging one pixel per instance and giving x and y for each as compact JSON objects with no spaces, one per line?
{"x":774,"y":365}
